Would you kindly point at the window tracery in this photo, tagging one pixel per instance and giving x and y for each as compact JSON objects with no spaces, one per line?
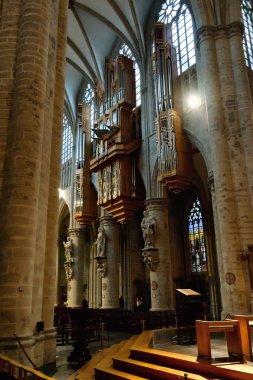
{"x":126,"y":51}
{"x":247,"y":16}
{"x":176,"y":14}
{"x":88,"y":97}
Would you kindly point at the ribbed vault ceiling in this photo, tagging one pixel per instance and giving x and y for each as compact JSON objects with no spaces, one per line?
{"x":95,"y":27}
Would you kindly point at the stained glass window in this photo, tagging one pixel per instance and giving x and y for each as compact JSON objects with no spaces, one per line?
{"x":177,"y":15}
{"x":126,"y":51}
{"x":197,"y":238}
{"x":247,"y":15}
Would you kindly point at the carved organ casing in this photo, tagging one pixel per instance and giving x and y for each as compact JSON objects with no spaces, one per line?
{"x":116,"y":140}
{"x":85,"y":208}
{"x":175,"y":166}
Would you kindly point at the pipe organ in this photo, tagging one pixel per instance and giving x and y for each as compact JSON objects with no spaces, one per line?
{"x":85,"y":209}
{"x":116,"y":140}
{"x":175,"y":166}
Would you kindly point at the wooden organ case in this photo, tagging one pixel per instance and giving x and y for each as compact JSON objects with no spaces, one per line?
{"x":175,"y":168}
{"x":117,"y":140}
{"x":85,"y":198}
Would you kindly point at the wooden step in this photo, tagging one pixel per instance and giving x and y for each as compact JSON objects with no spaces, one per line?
{"x":114,"y":374}
{"x":152,"y":371}
{"x":135,"y":359}
{"x":141,"y":351}
{"x":104,"y":369}
{"x":87,"y":372}
{"x":121,"y":367}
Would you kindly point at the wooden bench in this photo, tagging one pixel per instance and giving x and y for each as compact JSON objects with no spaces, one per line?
{"x":231,"y":328}
{"x":246,"y":323}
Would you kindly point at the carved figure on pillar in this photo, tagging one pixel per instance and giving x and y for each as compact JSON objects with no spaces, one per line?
{"x":148,"y":226}
{"x":101,"y":242}
{"x":68,"y":246}
{"x":68,"y":265}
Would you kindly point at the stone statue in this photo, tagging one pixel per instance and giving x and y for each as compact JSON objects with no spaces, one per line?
{"x":101,"y":242}
{"x":68,"y":265}
{"x":68,"y":246}
{"x":148,"y":226}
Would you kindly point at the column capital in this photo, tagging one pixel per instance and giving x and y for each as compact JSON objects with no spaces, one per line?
{"x":205,"y":32}
{"x":107,"y":220}
{"x":75,"y":232}
{"x":219,"y":31}
{"x":235,"y":28}
{"x":156,"y":203}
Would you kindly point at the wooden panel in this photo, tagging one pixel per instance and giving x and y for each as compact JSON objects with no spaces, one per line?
{"x":231,"y":329}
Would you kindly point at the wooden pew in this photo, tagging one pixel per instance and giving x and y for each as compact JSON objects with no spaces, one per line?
{"x":232,"y":331}
{"x":246,"y":323}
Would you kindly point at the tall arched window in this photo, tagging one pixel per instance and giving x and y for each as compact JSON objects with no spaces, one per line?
{"x":125,"y":50}
{"x":247,"y":15}
{"x":177,"y":15}
{"x":88,"y":98}
{"x":67,"y":150}
{"x":197,"y":238}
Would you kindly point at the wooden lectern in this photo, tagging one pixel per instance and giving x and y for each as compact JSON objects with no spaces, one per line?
{"x":189,"y":307}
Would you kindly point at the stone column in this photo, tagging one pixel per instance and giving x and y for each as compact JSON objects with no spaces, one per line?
{"x":75,"y":284}
{"x":244,"y":109}
{"x":40,"y":266}
{"x":213,"y":264}
{"x":234,"y":132}
{"x":55,"y":166}
{"x":160,"y":275}
{"x":94,"y":280}
{"x":110,"y":281}
{"x":19,"y":203}
{"x":10,"y":18}
{"x":54,"y":180}
{"x":233,"y":294}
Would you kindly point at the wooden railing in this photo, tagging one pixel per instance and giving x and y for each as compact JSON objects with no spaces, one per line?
{"x":16,"y":370}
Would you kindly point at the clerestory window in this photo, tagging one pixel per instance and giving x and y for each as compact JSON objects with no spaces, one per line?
{"x":247,"y":16}
{"x":176,"y":14}
{"x":67,"y":151}
{"x":126,"y":51}
{"x":88,"y":98}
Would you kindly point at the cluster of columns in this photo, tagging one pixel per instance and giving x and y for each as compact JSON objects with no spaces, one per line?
{"x":229,"y":114}
{"x":109,"y":266}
